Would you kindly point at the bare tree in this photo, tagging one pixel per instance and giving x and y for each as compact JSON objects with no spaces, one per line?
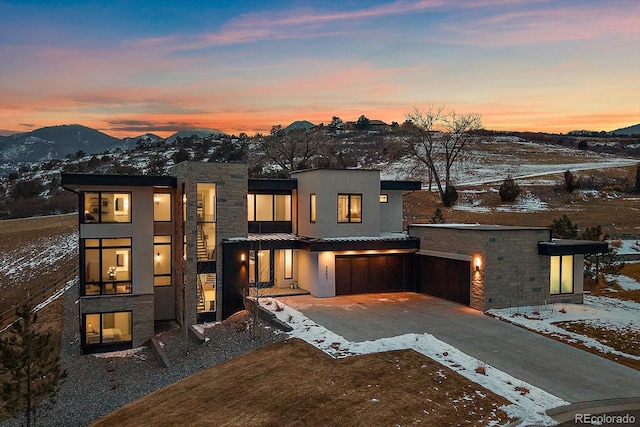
{"x":294,"y":149}
{"x":436,"y":140}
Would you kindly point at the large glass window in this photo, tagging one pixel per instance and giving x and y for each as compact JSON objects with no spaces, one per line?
{"x":162,"y":261}
{"x":312,"y":207}
{"x":206,"y":213}
{"x":349,"y":207}
{"x":106,"y":266}
{"x":561,"y":281}
{"x":106,"y":207}
{"x":260,"y":267}
{"x":162,"y":207}
{"x":106,"y":328}
{"x":268,"y":207}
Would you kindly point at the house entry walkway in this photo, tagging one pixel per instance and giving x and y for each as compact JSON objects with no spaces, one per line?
{"x":564,"y":371}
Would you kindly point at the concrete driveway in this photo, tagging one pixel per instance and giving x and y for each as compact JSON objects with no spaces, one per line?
{"x":562,"y":370}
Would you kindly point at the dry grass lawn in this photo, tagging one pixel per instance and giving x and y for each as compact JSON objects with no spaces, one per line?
{"x":293,"y":383}
{"x":631,"y":270}
{"x":617,"y":213}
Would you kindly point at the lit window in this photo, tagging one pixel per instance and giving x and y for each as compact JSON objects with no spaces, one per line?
{"x":349,"y":208}
{"x":269,"y":207}
{"x":384,"y":198}
{"x":251,"y":207}
{"x":106,"y":207}
{"x":162,"y":207}
{"x":288,"y":263}
{"x":107,"y":328}
{"x":264,"y":207}
{"x":312,"y":207}
{"x":162,"y":261}
{"x":561,"y":277}
{"x":106,"y":266}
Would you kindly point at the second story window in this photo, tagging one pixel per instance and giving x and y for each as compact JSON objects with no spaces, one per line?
{"x":106,"y":207}
{"x":268,"y":207}
{"x":162,"y":207}
{"x":106,"y":266}
{"x":349,"y":208}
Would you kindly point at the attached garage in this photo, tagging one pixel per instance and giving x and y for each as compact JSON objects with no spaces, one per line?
{"x":360,"y":274}
{"x":445,"y":278}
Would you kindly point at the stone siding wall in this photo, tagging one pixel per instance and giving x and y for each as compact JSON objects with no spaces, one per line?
{"x":140,"y":305}
{"x":231,"y":218}
{"x":512,"y":273}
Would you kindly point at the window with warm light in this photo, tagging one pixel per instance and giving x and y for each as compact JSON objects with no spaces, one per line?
{"x":107,"y":328}
{"x":206,"y":206}
{"x":162,"y":261}
{"x":162,"y":207}
{"x":106,"y":266}
{"x":106,"y":207}
{"x":312,"y":207}
{"x":268,"y":207}
{"x":260,"y":267}
{"x":561,"y":280}
{"x":349,"y":208}
{"x":288,"y":263}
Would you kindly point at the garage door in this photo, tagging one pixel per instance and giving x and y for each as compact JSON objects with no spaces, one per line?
{"x":371,"y":273}
{"x":445,"y":278}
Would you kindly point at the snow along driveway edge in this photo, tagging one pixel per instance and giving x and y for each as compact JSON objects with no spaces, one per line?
{"x":529,"y":408}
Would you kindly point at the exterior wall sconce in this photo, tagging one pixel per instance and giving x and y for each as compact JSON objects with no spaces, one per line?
{"x":243,"y":259}
{"x":478,"y":263}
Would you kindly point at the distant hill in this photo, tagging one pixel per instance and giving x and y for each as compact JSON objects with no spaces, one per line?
{"x":630,"y":130}
{"x":201,"y":133}
{"x":299,"y":124}
{"x":148,"y":138}
{"x":55,"y":142}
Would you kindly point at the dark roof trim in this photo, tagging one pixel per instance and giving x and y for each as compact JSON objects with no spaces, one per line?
{"x":71,"y":179}
{"x":354,"y":245}
{"x":262,"y":184}
{"x":572,"y":247}
{"x":400,"y":185}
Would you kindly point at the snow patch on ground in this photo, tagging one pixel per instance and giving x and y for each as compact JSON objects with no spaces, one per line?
{"x":602,"y":312}
{"x":530,"y":408}
{"x":629,"y":247}
{"x":122,"y":353}
{"x":627,"y":283}
{"x":26,"y":262}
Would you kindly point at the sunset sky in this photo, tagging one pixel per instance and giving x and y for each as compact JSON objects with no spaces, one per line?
{"x":131,"y":67}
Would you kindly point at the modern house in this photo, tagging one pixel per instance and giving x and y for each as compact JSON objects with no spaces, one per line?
{"x":192,"y":245}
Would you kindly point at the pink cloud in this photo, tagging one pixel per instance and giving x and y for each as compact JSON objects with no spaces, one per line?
{"x":550,"y":25}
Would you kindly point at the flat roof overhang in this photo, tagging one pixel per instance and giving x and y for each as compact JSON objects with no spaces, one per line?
{"x":269,"y":185}
{"x":353,"y":244}
{"x":572,"y":247}
{"x":290,"y":241}
{"x":71,"y":180}
{"x":400,"y":185}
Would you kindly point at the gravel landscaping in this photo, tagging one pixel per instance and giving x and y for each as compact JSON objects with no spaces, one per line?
{"x":96,"y":386}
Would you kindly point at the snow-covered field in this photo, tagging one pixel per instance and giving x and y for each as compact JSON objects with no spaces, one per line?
{"x":27,"y":261}
{"x":529,"y":406}
{"x":492,"y":162}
